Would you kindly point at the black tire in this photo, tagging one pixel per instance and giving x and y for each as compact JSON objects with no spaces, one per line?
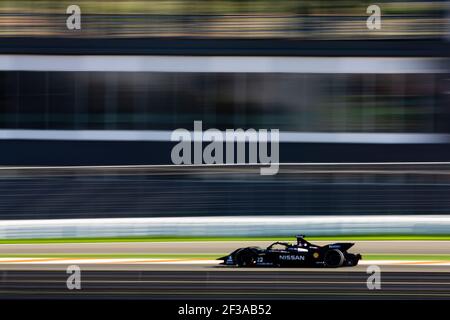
{"x":246,"y":258}
{"x":334,"y":258}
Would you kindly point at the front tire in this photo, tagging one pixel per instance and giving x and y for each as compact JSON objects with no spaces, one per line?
{"x":334,"y":258}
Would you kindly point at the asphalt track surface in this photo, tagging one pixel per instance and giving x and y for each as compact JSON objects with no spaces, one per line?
{"x":225,"y":283}
{"x":206,"y":281}
{"x":215,"y":247}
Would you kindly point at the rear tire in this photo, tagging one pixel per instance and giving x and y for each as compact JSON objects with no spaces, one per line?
{"x":334,"y":258}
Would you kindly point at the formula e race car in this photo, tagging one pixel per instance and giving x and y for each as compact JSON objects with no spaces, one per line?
{"x":302,"y":254}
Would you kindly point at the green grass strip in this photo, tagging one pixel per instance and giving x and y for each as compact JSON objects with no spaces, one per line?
{"x":445,"y":237}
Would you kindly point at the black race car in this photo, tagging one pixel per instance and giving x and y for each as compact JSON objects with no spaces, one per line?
{"x":302,"y":254}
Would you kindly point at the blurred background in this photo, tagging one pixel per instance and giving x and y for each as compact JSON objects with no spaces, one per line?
{"x":363,"y":114}
{"x":86,"y":176}
{"x":285,"y":19}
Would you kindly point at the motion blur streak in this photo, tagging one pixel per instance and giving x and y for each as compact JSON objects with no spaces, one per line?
{"x":193,"y":191}
{"x":336,"y":19}
{"x":211,"y":248}
{"x":226,"y":226}
{"x":85,"y":117}
{"x":161,"y":135}
{"x":218,"y":284}
{"x":217,"y":64}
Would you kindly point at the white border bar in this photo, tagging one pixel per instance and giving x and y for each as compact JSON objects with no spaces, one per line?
{"x":226,"y":226}
{"x":164,"y":135}
{"x":218,"y":64}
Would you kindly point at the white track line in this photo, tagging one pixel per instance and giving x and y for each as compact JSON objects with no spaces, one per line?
{"x":190,"y":261}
